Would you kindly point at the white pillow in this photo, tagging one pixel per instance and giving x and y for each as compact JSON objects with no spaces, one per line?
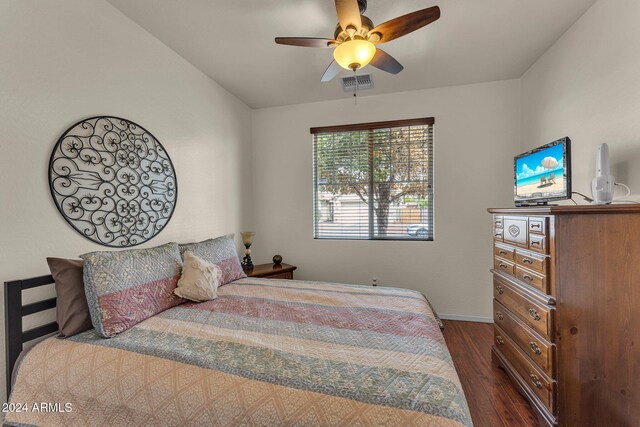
{"x":200,"y":279}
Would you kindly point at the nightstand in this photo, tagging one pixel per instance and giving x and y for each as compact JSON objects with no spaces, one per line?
{"x":272,"y":271}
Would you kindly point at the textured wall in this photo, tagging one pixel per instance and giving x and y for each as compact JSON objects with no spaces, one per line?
{"x":587,"y":87}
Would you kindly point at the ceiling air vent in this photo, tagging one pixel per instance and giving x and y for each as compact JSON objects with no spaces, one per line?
{"x":365,"y":81}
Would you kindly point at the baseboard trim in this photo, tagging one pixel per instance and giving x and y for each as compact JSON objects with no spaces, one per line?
{"x":465,"y":318}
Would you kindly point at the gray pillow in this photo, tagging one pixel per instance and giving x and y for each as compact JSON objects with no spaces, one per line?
{"x":220,"y":251}
{"x":126,"y":287}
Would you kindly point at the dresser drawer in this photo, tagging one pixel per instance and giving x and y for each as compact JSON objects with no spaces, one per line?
{"x":533,"y":377}
{"x":504,"y":252}
{"x":516,"y":231}
{"x":534,"y":346}
{"x":533,"y":313}
{"x":531,"y":261}
{"x":537,"y":225}
{"x":288,"y":275}
{"x":538,"y":243}
{"x":535,"y":280}
{"x":504,"y":266}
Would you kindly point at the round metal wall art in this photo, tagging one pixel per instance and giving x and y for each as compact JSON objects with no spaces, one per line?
{"x":113,"y":181}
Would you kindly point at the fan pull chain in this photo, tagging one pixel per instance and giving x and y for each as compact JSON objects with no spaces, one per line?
{"x":355,"y":91}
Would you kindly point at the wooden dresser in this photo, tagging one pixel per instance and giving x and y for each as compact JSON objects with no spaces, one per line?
{"x":272,"y":271}
{"x":566,"y":303}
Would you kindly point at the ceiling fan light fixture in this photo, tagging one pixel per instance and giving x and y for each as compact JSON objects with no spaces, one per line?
{"x":354,"y":54}
{"x":355,"y":38}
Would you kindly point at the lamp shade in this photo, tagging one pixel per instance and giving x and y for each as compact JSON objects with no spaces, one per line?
{"x":247,"y":237}
{"x":354,"y":54}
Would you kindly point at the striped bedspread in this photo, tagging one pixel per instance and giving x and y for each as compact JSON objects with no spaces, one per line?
{"x":266,"y":352}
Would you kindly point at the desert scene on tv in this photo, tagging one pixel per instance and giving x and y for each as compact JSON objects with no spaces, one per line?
{"x":541,"y":174}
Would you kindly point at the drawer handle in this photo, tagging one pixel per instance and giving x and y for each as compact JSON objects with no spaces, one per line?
{"x":527,"y":261}
{"x":503,"y":252}
{"x":535,"y":348}
{"x":535,"y":225}
{"x":535,"y":242}
{"x":499,"y":315}
{"x":503,"y":266}
{"x":498,"y":234}
{"x":499,"y":340}
{"x":534,"y":314}
{"x":535,"y":380}
{"x":499,"y":289}
{"x":527,"y":277}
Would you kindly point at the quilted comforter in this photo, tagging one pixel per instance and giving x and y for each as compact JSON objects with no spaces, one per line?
{"x":266,"y":352}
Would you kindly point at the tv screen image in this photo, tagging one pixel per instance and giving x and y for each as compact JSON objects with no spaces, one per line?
{"x":543,"y":174}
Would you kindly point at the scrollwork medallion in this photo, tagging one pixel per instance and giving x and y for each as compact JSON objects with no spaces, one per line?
{"x":113,"y":181}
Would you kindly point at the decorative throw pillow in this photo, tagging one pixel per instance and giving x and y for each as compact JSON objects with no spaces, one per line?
{"x":220,"y":251}
{"x":126,"y":287}
{"x":200,"y":279}
{"x":72,"y":311}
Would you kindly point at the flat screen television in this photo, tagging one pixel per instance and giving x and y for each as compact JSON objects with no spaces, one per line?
{"x":544,"y":174}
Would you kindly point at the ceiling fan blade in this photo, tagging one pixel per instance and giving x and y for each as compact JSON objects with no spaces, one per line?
{"x":405,"y":24}
{"x":306,"y":41}
{"x":348,"y":13}
{"x":385,"y":62}
{"x":332,"y":70}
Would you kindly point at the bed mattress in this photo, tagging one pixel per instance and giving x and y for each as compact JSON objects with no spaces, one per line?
{"x":265,"y":352}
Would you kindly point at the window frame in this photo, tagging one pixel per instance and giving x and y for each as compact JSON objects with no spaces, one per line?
{"x":372,"y":126}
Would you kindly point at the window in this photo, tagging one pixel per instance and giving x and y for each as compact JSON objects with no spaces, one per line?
{"x":374,"y":181}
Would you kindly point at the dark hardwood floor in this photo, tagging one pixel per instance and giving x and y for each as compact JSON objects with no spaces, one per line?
{"x":493,"y":400}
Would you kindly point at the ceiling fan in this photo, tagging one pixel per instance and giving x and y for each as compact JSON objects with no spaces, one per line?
{"x":355,"y":38}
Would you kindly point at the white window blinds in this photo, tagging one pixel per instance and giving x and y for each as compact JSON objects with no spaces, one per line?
{"x":374,"y":181}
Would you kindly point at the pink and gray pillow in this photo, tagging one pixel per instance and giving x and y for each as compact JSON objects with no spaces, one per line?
{"x":126,"y":287}
{"x":220,"y":251}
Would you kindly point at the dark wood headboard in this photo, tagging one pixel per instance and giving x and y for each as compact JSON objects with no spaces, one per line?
{"x":14,"y":311}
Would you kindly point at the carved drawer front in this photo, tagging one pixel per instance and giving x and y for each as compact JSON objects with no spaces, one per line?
{"x":532,"y":261}
{"x":504,"y":252}
{"x":504,"y":266}
{"x":534,"y":378}
{"x":538,"y":243}
{"x":533,"y":313}
{"x":516,"y":231}
{"x":535,"y":280}
{"x":537,"y":225}
{"x":533,"y":345}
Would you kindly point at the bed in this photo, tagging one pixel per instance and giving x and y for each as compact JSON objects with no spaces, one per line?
{"x":265,"y":352}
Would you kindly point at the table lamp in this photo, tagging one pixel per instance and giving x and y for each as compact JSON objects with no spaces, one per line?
{"x":247,"y":240}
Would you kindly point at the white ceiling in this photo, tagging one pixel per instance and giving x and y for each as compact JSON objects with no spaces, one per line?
{"x":232,"y":42}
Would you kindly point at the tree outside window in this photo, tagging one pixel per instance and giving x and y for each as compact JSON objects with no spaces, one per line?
{"x":374,"y":183}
